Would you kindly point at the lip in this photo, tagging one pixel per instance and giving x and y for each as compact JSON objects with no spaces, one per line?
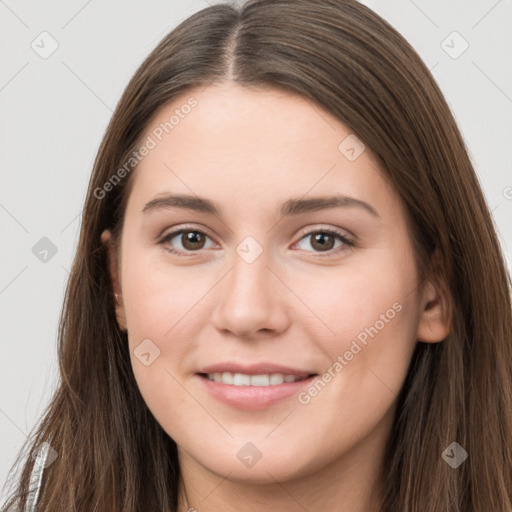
{"x":253,"y":397}
{"x":255,"y":369}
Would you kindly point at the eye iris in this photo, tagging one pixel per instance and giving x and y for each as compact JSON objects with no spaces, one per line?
{"x":191,"y":237}
{"x":320,"y":238}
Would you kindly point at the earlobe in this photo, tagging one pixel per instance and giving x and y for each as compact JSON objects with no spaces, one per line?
{"x":435,"y":315}
{"x":106,"y":238}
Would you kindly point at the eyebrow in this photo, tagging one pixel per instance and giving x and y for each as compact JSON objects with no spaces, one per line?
{"x":290,"y":207}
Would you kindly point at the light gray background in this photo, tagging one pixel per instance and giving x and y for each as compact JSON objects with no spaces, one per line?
{"x":54,"y":112}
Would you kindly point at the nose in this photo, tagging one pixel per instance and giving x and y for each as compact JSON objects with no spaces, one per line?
{"x":251,"y":300}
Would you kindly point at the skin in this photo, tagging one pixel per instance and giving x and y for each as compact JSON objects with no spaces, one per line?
{"x":249,"y":151}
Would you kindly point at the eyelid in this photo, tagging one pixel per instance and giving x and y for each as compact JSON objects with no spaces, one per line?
{"x":327,"y":229}
{"x":174,"y":230}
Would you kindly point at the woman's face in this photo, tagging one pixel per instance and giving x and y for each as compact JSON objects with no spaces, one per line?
{"x":282,"y":281}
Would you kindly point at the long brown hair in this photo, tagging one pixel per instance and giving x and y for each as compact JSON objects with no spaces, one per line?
{"x":345,"y":58}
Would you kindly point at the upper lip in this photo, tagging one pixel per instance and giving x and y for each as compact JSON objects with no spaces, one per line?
{"x":255,"y":369}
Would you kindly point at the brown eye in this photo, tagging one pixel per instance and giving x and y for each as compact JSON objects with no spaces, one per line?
{"x":192,"y":240}
{"x":323,"y":241}
{"x":187,"y":240}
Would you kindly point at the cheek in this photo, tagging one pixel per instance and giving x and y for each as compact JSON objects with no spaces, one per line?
{"x":166,"y":305}
{"x":159,"y":299}
{"x":160,"y":323}
{"x":368,"y":313}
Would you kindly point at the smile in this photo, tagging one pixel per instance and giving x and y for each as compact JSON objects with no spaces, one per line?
{"x":242,"y":379}
{"x":252,"y":392}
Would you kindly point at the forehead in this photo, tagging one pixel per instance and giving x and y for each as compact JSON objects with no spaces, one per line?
{"x":235,"y":143}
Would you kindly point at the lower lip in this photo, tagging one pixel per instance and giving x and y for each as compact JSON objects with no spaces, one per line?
{"x":253,"y":397}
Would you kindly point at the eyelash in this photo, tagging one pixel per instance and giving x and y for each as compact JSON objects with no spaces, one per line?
{"x":347,"y":244}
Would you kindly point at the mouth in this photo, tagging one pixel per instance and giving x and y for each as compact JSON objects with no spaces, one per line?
{"x":249,"y":391}
{"x":264,"y":379}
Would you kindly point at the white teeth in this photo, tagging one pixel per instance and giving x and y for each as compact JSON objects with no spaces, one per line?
{"x":276,"y":378}
{"x":260,"y":380}
{"x":241,"y":379}
{"x":226,"y":378}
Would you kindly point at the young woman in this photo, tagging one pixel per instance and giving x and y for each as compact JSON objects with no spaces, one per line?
{"x":288,"y":292}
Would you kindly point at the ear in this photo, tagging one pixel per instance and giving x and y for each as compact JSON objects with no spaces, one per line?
{"x":436,"y":313}
{"x":106,"y":238}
